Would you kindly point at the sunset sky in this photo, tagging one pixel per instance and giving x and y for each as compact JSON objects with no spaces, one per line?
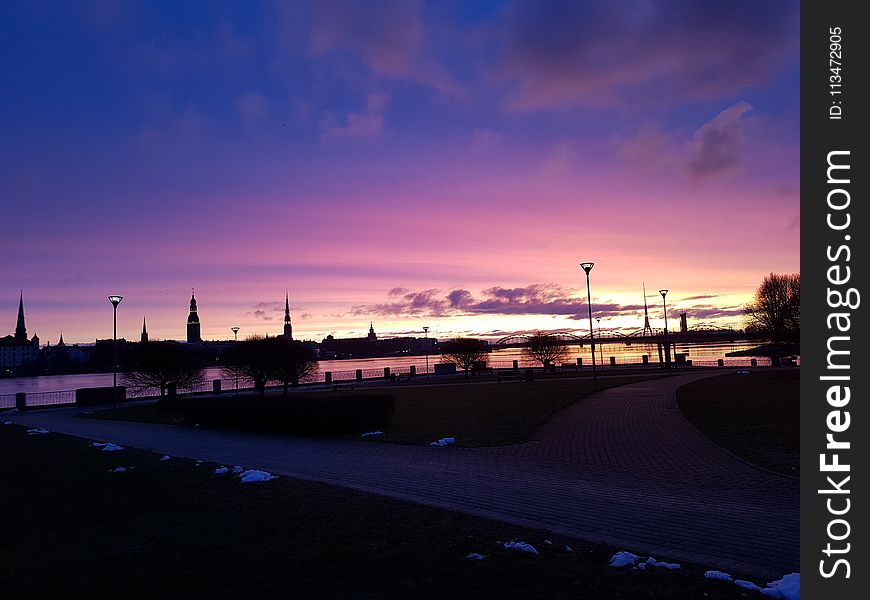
{"x":410,"y":163}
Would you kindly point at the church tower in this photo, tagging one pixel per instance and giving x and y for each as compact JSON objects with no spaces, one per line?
{"x":20,"y":329}
{"x":288,"y":326}
{"x":144,"y":337}
{"x":193,"y":329}
{"x":372,"y":337}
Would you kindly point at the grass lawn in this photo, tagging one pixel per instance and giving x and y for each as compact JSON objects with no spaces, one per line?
{"x":173,"y":529}
{"x":755,"y":416}
{"x":476,"y":413}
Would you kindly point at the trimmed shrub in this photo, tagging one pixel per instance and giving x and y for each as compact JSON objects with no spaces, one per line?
{"x":296,"y":414}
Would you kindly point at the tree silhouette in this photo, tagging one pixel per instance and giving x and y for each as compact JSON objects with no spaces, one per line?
{"x":776,"y":309}
{"x":261,"y":360}
{"x":545,"y":349}
{"x":465,"y":352}
{"x":158,"y":365}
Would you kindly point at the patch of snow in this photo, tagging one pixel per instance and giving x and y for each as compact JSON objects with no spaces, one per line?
{"x":520,"y":547}
{"x":623,"y":559}
{"x":165,"y":457}
{"x":7,"y":422}
{"x":119,"y":470}
{"x":107,"y":446}
{"x":548,"y":542}
{"x":641,"y":566}
{"x":789,"y":587}
{"x":657,"y":563}
{"x":718,"y":575}
{"x":747,"y":585}
{"x":11,"y":411}
{"x":475,"y":556}
{"x":253,"y":476}
{"x":221,"y":470}
{"x":238,"y":469}
{"x":569,"y":549}
{"x":38,"y":431}
{"x":743,"y":372}
{"x":443,"y":442}
{"x":373,"y":434}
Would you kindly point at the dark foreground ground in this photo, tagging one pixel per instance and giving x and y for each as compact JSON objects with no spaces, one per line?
{"x":70,"y":528}
{"x":755,"y":416}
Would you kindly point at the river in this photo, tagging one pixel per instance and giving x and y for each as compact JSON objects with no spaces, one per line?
{"x":705,"y":352}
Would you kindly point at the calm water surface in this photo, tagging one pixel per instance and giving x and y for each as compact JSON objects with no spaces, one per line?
{"x":343,"y":369}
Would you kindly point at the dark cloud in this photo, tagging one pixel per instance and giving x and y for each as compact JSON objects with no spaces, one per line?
{"x":717,"y":146}
{"x":535,"y":299}
{"x":701,"y":297}
{"x":564,"y":52}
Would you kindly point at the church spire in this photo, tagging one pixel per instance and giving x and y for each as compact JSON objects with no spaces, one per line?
{"x":20,"y":329}
{"x":288,"y":326}
{"x":60,"y":342}
{"x":144,"y":337}
{"x":194,"y":335}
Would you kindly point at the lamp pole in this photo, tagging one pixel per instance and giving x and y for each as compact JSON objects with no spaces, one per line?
{"x":426,"y":337}
{"x":235,"y":331}
{"x":600,"y":345}
{"x":115,"y":300}
{"x":664,"y":293}
{"x":587,"y":266}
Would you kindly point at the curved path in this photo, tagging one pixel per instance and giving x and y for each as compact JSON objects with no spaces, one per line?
{"x":621,"y":467}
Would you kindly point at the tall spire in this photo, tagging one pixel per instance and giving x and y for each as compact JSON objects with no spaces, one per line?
{"x":60,"y":342}
{"x":20,"y":329}
{"x":144,"y":337}
{"x":288,"y":326}
{"x":193,"y":326}
{"x":646,"y":328}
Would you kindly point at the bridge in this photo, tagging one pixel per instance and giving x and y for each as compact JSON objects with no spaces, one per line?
{"x":701,"y":333}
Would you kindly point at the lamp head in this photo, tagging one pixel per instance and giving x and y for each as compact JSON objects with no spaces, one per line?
{"x":115,"y":300}
{"x":426,"y":330}
{"x":663,"y":293}
{"x":235,"y":329}
{"x":587,"y":266}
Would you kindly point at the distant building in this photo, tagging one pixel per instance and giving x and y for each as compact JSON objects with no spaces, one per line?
{"x":288,"y":326}
{"x":684,"y":325}
{"x":332,"y":347}
{"x":193,"y":328}
{"x":16,"y":350}
{"x":144,"y":337}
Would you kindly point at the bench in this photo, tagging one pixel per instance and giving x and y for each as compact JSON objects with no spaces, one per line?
{"x":511,"y":377}
{"x":342,"y":386}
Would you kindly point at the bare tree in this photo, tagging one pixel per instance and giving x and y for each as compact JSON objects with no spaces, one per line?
{"x":158,"y":365}
{"x":776,"y":308}
{"x":252,"y":360}
{"x":265,"y":359}
{"x":293,"y":362}
{"x":465,"y":352}
{"x":545,"y":349}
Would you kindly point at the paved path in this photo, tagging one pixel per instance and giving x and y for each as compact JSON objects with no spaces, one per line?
{"x":621,"y":467}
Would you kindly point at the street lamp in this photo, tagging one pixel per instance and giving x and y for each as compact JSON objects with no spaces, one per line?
{"x":667,"y":344}
{"x":115,"y":300}
{"x":587,"y":266}
{"x":235,"y":331}
{"x":600,"y":345}
{"x":426,"y":336}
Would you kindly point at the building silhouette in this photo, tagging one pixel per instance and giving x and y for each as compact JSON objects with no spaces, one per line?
{"x":144,"y":337}
{"x":194,"y":335}
{"x":288,"y":326}
{"x":16,"y":349}
{"x":372,"y":336}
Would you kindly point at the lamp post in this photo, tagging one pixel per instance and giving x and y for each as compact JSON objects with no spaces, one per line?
{"x":664,"y":293}
{"x":600,"y":345}
{"x":235,"y":331}
{"x":587,"y":266}
{"x":115,"y":300}
{"x":426,"y":337}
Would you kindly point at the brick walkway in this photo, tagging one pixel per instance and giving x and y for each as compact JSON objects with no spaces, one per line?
{"x":621,"y":467}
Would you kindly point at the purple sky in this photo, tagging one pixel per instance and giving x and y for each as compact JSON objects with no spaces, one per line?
{"x":412,"y":163}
